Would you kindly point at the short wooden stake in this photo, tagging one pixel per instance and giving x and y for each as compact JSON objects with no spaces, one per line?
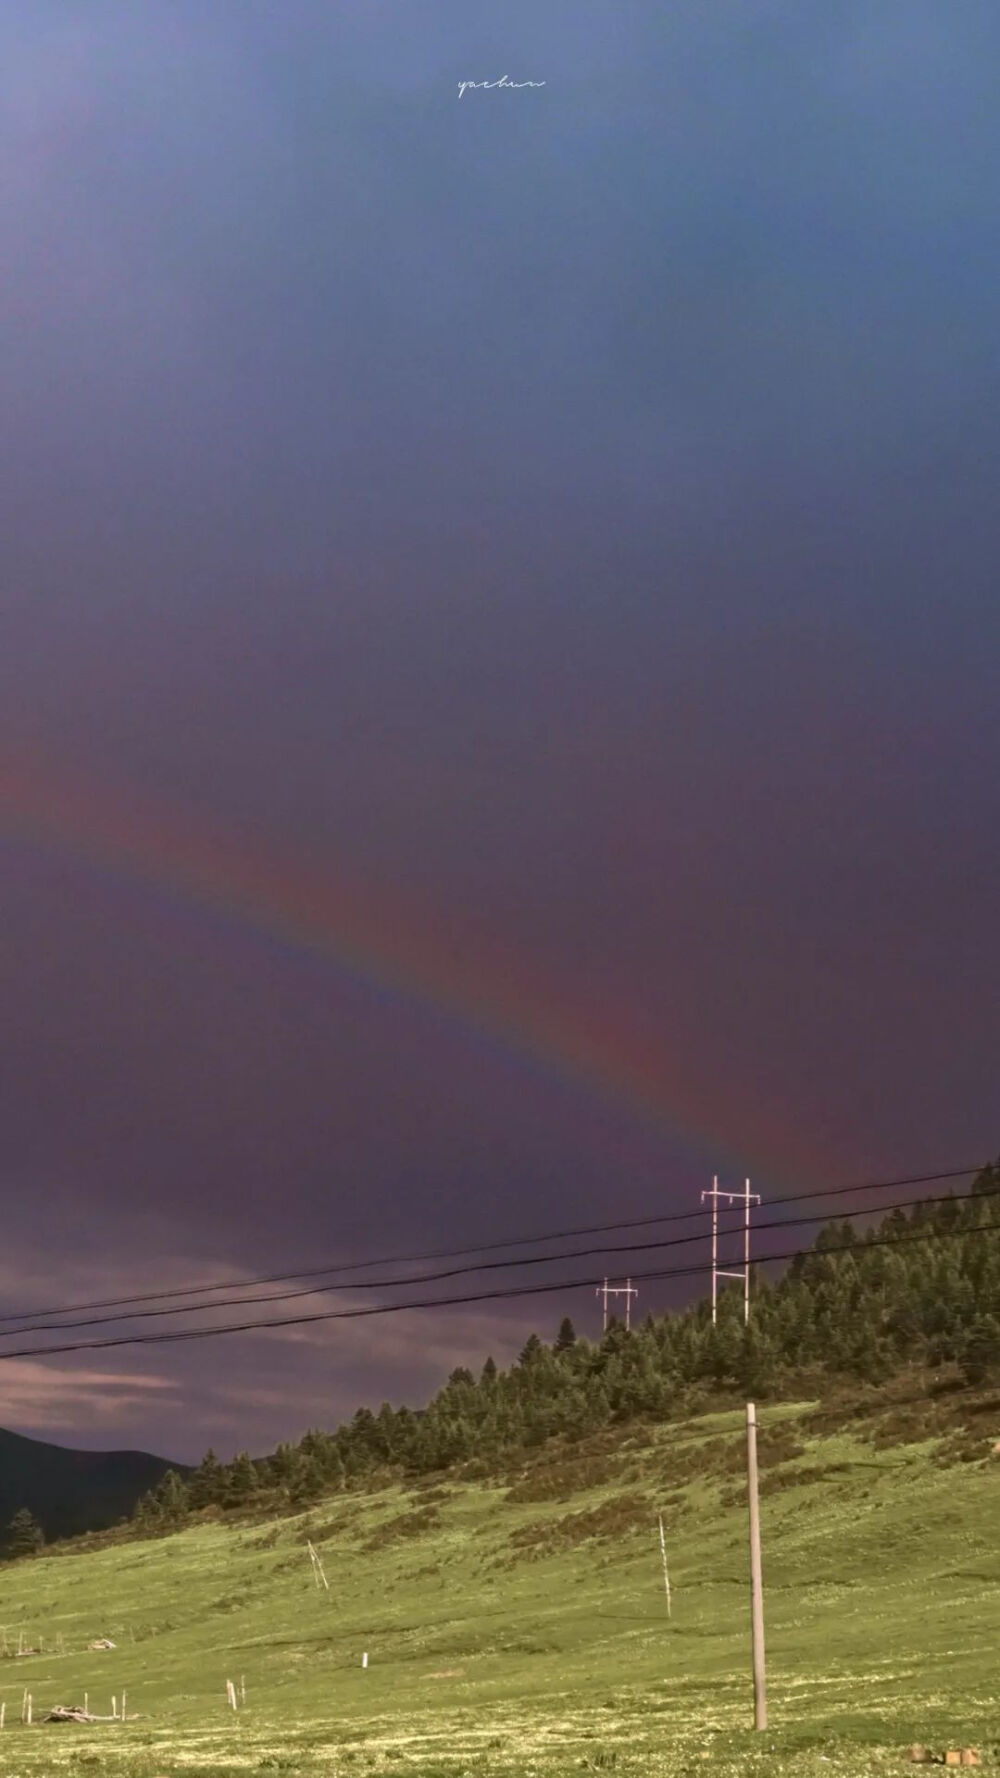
{"x":114,"y":1709}
{"x":29,"y":1710}
{"x":243,"y":1688}
{"x":319,"y":1572}
{"x":123,"y":1706}
{"x":364,"y":1660}
{"x":86,"y":1703}
{"x":3,"y":1713}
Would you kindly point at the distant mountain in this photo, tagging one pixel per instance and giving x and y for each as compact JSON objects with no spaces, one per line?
{"x":72,"y":1491}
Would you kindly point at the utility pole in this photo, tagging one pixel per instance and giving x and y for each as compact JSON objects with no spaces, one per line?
{"x":628,"y":1290}
{"x":746,"y":1198}
{"x":756,"y":1577}
{"x":663,"y":1557}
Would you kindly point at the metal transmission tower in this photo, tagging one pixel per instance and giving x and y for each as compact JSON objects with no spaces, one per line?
{"x":628,"y":1290}
{"x":746,"y":1198}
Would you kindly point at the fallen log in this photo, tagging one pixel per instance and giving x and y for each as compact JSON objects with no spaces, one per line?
{"x":75,"y":1713}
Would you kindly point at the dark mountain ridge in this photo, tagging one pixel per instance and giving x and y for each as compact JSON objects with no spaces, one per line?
{"x":71,"y":1491}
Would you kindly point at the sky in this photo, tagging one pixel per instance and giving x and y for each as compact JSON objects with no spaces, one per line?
{"x":499,"y":646}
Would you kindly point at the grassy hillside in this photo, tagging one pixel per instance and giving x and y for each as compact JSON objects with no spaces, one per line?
{"x":919,"y":1289}
{"x":71,"y":1491}
{"x":519,"y":1626}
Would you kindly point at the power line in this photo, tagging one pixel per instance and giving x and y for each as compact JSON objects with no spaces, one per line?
{"x":495,"y":1265}
{"x":355,"y":1266}
{"x":509,"y":1294}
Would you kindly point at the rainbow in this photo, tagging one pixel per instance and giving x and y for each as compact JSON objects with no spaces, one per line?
{"x":378,"y":939}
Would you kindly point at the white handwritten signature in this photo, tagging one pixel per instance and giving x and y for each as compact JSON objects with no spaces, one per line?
{"x":465,"y":86}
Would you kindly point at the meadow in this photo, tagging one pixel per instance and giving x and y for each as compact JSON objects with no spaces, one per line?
{"x":519,"y":1624}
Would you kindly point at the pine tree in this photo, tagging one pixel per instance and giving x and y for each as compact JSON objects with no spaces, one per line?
{"x":24,"y":1535}
{"x":385,"y":1429}
{"x":165,"y":1506}
{"x":243,"y":1480}
{"x":306,"y":1482}
{"x":566,"y":1337}
{"x":980,"y":1354}
{"x":755,"y":1365}
{"x":281,"y":1464}
{"x":207,"y":1485}
{"x":172,"y":1499}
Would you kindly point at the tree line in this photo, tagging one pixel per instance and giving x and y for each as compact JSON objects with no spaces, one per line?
{"x":849,"y":1308}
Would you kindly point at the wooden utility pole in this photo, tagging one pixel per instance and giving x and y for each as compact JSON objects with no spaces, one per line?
{"x":666,"y":1572}
{"x":756,"y":1578}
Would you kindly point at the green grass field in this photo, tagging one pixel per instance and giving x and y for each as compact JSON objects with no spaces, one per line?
{"x":521,"y":1627}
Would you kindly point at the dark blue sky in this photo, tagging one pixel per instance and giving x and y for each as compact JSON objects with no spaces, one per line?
{"x":572,"y":509}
